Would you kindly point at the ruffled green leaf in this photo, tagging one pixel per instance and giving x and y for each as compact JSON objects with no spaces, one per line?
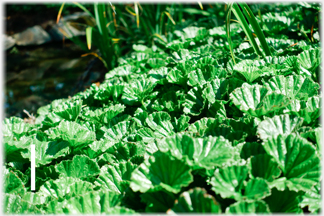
{"x":243,"y":207}
{"x":78,"y":167}
{"x":310,"y":59}
{"x":283,"y":201}
{"x":196,"y":201}
{"x":257,"y":101}
{"x":64,"y":188}
{"x":105,"y":115}
{"x":194,"y":102}
{"x":72,"y":132}
{"x":312,"y":199}
{"x":264,"y":166}
{"x":15,"y":126}
{"x":69,"y":110}
{"x":95,"y":202}
{"x":280,"y":124}
{"x":138,"y":90}
{"x":160,"y":123}
{"x":116,"y":177}
{"x":203,"y":152}
{"x":45,"y":152}
{"x":161,"y":171}
{"x":296,"y":158}
{"x":294,"y":86}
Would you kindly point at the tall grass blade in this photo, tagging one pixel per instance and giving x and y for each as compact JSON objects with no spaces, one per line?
{"x":137,"y":14}
{"x":89,"y":36}
{"x":228,"y":29}
{"x":200,"y":5}
{"x":60,"y":13}
{"x":83,"y":8}
{"x":255,"y":26}
{"x":240,"y":17}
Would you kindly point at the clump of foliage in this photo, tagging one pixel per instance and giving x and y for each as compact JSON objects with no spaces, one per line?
{"x":180,"y":128}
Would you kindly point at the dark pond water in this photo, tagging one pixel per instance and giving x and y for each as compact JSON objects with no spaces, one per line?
{"x":35,"y":76}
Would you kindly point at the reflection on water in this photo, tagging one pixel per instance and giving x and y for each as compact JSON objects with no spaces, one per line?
{"x":37,"y":75}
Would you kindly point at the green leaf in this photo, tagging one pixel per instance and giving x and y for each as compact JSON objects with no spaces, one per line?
{"x":45,"y":152}
{"x":64,"y":188}
{"x":310,"y":59}
{"x":15,"y":126}
{"x":312,"y":199}
{"x":115,"y":177}
{"x":109,"y":91}
{"x":78,"y":136}
{"x":194,"y":102}
{"x":12,"y":183}
{"x":118,"y":132}
{"x":203,"y":152}
{"x":264,"y":166}
{"x":228,"y":181}
{"x":250,"y":71}
{"x":296,"y":158}
{"x":13,"y":148}
{"x":257,"y":100}
{"x":196,"y":201}
{"x":215,"y":90}
{"x":161,"y":171}
{"x":69,"y":110}
{"x":160,"y":123}
{"x":283,"y":201}
{"x":138,"y":90}
{"x":294,"y":86}
{"x":158,"y":201}
{"x":280,"y":124}
{"x":105,"y":115}
{"x":242,"y":207}
{"x":78,"y":167}
{"x":95,"y":202}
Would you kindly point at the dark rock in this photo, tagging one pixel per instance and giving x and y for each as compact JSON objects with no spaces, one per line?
{"x":32,"y":36}
{"x":9,"y":42}
{"x":71,"y":26}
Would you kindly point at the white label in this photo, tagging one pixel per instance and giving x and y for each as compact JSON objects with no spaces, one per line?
{"x":32,"y":167}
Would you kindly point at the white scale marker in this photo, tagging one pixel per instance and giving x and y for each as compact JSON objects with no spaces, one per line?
{"x":33,"y":167}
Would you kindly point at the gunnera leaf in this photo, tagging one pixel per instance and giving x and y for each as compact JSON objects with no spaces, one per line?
{"x":194,"y":102}
{"x":296,"y":158}
{"x":279,"y":124}
{"x":195,"y":200}
{"x":248,"y":207}
{"x":69,"y":110}
{"x":116,"y":177}
{"x":78,"y":167}
{"x":78,"y":136}
{"x":293,"y":86}
{"x":203,"y":152}
{"x":257,"y":100}
{"x":138,"y":90}
{"x":161,"y":171}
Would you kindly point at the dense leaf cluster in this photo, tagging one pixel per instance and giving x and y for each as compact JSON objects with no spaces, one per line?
{"x":179,"y":128}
